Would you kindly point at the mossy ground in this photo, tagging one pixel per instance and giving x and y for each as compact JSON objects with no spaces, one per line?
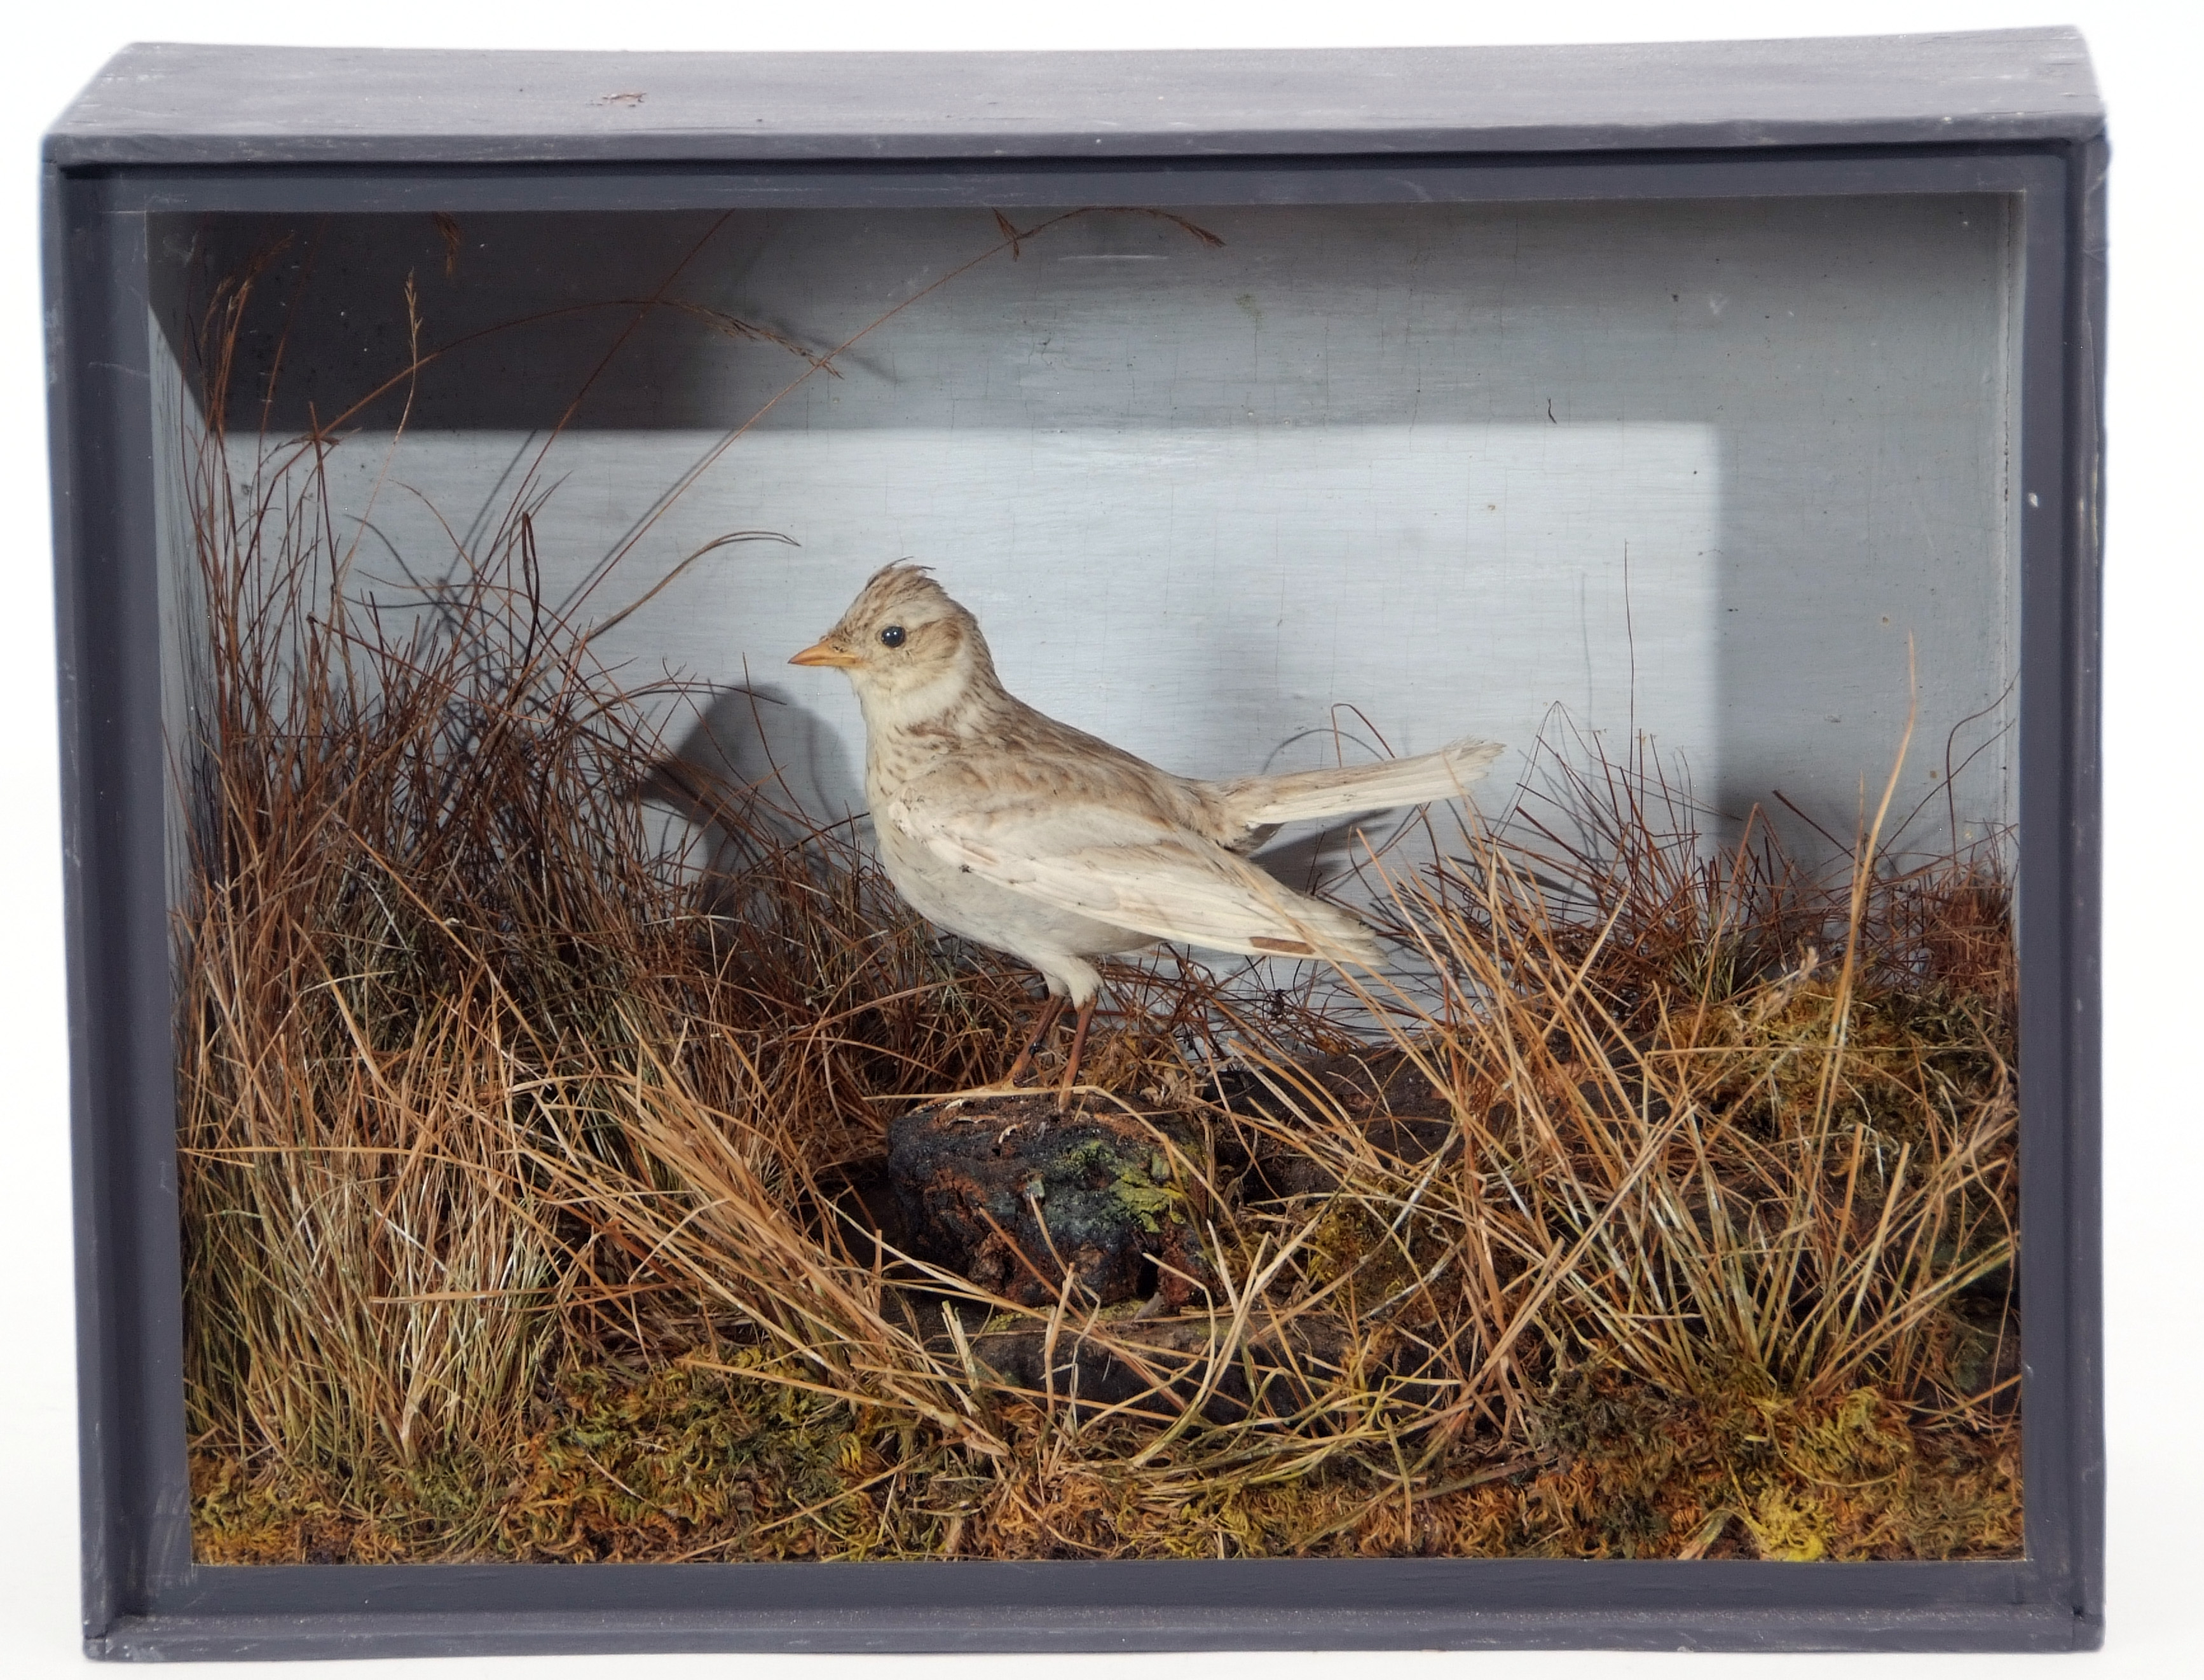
{"x":679,"y":1464}
{"x":1576,"y":1328}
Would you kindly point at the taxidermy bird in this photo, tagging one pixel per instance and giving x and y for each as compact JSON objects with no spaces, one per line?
{"x":1037,"y":839}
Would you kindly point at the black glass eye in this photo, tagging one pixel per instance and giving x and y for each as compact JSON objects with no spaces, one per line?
{"x":892,"y":636}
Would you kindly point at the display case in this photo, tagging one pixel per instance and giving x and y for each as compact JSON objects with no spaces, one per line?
{"x":553,"y":1176}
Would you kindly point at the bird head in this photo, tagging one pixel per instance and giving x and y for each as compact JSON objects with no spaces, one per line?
{"x":911,"y":652}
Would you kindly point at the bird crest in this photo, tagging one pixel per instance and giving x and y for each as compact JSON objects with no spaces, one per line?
{"x":897,"y":582}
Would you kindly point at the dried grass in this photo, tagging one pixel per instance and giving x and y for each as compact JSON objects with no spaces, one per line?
{"x":513,"y":1156}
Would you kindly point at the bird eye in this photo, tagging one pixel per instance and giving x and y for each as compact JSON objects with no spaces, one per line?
{"x":892,"y":636}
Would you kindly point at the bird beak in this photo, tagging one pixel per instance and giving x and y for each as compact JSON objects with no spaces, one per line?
{"x":825,"y":653}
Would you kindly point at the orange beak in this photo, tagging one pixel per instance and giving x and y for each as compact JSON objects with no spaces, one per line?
{"x":824,"y":652}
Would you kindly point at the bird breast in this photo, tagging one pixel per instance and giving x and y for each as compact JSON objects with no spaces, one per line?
{"x":979,"y":909}
{"x":1000,"y":782}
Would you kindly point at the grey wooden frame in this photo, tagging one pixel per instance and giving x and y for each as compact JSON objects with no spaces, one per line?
{"x":169,"y":129}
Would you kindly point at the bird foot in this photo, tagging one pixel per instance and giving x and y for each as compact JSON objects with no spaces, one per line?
{"x":1035,"y":1039}
{"x":1078,"y":1046}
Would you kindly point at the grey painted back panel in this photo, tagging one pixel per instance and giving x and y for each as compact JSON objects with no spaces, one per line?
{"x":1695,"y":470}
{"x":190,"y":104}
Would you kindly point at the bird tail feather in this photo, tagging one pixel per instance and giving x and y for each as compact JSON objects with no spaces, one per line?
{"x":1254,"y":800}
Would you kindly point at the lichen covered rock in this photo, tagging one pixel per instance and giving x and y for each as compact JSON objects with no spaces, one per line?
{"x":1009,"y":1193}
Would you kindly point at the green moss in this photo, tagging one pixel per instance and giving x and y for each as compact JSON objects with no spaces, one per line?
{"x":1137,"y":1183}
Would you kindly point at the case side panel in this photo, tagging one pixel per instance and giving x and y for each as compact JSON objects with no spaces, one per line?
{"x":2057,"y":913}
{"x":128,"y":1267}
{"x":2084,"y":1140}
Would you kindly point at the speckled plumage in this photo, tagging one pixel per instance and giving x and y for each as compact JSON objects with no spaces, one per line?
{"x":1006,"y":826}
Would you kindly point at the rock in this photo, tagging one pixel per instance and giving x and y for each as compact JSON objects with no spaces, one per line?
{"x":1008,"y":1193}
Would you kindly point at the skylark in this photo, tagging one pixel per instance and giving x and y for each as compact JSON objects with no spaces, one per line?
{"x":1038,"y":839}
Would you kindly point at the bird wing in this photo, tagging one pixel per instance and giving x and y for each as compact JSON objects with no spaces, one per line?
{"x":1119,"y":863}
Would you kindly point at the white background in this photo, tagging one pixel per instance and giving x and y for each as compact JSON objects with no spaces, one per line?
{"x":2146,"y":56}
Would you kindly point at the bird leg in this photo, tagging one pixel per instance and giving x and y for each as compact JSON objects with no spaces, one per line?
{"x":1049,"y":1011}
{"x":1071,"y":1067}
